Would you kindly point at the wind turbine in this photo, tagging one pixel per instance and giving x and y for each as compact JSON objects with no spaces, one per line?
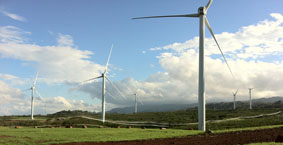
{"x":33,"y":89}
{"x":202,"y":11}
{"x":250,"y":91}
{"x":136,"y":102}
{"x":103,"y":76}
{"x":234,"y":94}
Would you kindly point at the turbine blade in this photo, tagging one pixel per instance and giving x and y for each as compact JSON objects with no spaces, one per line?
{"x":120,"y":93}
{"x":139,"y":100}
{"x":35,"y":80}
{"x":106,"y":67}
{"x":208,"y":4}
{"x":211,"y":32}
{"x":90,"y":79}
{"x":186,"y":15}
{"x":38,"y":94}
{"x":26,"y":89}
{"x":41,"y":98}
{"x":236,"y":92}
{"x":112,"y":96}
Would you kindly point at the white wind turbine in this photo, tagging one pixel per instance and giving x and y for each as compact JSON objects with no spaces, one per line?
{"x":234,"y":94}
{"x":136,"y":102}
{"x":202,"y":11}
{"x":250,"y":92}
{"x":103,"y":76}
{"x":33,"y":89}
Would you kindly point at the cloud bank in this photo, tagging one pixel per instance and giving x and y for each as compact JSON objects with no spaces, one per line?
{"x":56,"y":64}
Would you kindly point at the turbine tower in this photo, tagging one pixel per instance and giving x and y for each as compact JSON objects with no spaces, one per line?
{"x":33,"y":89}
{"x":103,"y":76}
{"x":234,"y":94}
{"x":137,"y":99}
{"x":136,"y":104}
{"x":202,"y":11}
{"x":250,"y":92}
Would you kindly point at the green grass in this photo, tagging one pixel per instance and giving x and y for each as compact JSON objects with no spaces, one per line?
{"x":31,"y":136}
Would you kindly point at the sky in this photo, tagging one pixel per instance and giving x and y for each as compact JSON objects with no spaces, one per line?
{"x":68,"y":41}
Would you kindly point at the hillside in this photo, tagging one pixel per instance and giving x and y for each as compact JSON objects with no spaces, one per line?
{"x":257,"y":103}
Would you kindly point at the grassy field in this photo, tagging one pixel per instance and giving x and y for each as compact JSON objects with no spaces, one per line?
{"x":44,"y":135}
{"x":173,"y":119}
{"x":29,"y":136}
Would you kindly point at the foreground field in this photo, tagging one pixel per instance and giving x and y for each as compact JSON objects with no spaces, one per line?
{"x":123,"y":136}
{"x":31,"y":136}
{"x":51,"y":128}
{"x":268,"y":136}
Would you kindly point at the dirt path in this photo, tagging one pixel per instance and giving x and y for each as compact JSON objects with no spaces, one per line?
{"x":244,"y":137}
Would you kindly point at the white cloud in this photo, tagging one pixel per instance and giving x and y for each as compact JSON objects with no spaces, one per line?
{"x":59,"y":103}
{"x":14,"y":102}
{"x":65,"y":40}
{"x":12,"y":34}
{"x":14,"y":16}
{"x":9,"y":94}
{"x":10,"y":97}
{"x":12,"y":79}
{"x":61,"y":63}
{"x":255,"y":41}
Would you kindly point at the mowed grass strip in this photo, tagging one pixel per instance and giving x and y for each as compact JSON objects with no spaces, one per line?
{"x":63,"y":135}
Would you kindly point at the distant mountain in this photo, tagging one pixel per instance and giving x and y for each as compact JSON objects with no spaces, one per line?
{"x":262,"y":102}
{"x":68,"y":113}
{"x":269,"y":100}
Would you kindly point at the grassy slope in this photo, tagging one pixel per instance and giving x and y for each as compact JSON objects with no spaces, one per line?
{"x":61,"y":135}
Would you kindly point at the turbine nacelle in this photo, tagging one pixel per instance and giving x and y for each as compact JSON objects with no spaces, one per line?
{"x":202,"y":11}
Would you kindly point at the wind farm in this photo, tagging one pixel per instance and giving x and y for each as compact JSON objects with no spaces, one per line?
{"x":166,"y":81}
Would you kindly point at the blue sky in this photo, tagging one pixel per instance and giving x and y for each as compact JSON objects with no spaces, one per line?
{"x":83,"y":32}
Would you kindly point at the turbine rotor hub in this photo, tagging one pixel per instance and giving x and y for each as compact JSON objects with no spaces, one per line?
{"x":201,"y":11}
